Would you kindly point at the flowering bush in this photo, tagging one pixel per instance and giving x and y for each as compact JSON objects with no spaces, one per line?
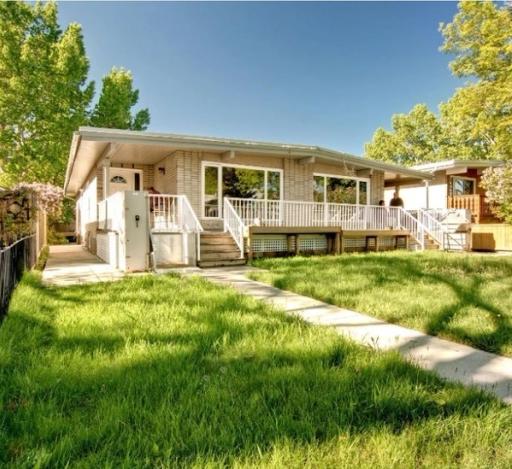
{"x":497,"y":183}
{"x":48,"y":197}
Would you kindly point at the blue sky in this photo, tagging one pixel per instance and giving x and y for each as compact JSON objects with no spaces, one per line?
{"x":318,"y":73}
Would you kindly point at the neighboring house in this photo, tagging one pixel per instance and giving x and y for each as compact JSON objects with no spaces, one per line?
{"x":455,"y":184}
{"x":146,"y":199}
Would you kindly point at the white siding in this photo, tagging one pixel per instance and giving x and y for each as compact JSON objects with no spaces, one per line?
{"x":87,"y":206}
{"x":415,"y":197}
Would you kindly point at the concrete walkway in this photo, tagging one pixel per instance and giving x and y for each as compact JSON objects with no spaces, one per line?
{"x":71,"y":264}
{"x":452,"y":361}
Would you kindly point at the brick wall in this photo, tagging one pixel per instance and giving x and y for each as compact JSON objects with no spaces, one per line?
{"x":183,"y":175}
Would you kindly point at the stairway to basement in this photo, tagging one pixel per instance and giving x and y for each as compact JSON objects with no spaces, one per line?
{"x":219,"y":249}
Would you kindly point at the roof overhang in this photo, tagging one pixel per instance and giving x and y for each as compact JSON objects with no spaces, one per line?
{"x":90,"y":144}
{"x":447,"y":165}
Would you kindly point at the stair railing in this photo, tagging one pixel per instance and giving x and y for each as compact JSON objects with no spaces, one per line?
{"x":436,"y":230}
{"x":407,"y":222}
{"x":433,"y":227}
{"x":234,"y":225}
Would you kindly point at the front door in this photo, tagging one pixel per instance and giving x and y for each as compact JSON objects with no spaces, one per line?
{"x":124,"y":179}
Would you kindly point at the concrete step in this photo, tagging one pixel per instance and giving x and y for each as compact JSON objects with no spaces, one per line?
{"x":221,"y":263}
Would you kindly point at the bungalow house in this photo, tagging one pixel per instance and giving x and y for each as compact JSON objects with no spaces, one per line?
{"x":455,"y":184}
{"x":147,"y":199}
{"x":455,"y":188}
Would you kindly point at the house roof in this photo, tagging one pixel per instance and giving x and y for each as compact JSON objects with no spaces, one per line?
{"x":453,"y":164}
{"x":90,"y":143}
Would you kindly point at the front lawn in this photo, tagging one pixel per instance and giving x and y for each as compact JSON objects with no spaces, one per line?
{"x":465,"y":298}
{"x":170,"y":372}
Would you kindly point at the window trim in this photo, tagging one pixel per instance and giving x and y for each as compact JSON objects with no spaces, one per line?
{"x":466,"y":178}
{"x":221,"y":165}
{"x":353,"y":178}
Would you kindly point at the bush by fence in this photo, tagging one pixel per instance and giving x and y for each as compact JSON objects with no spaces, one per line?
{"x":14,"y":260}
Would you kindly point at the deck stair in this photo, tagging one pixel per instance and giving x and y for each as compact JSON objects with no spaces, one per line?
{"x":430,"y":243}
{"x":219,"y":249}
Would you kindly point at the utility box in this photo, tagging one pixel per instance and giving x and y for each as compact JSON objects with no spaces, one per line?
{"x":133,"y":232}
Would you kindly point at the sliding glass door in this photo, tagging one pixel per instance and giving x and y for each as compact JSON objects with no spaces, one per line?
{"x":221,"y":181}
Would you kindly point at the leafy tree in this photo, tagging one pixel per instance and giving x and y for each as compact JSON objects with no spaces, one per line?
{"x":416,"y":137}
{"x":480,"y":114}
{"x":114,"y":107}
{"x":476,"y":123}
{"x":498,"y":185}
{"x":44,"y":93}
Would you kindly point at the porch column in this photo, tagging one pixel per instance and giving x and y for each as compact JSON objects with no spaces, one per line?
{"x":106,"y":177}
{"x":427,"y":195}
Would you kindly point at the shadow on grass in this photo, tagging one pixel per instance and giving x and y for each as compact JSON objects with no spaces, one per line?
{"x":393,"y":272}
{"x":234,"y":379}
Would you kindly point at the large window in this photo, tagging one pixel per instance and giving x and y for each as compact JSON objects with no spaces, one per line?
{"x":238,"y":182}
{"x":463,"y":186}
{"x":340,"y":190}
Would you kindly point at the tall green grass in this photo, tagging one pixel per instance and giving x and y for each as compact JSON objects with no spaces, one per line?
{"x":171,"y":372}
{"x":465,"y":298}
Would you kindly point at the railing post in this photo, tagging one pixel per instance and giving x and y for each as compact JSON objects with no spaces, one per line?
{"x":326,"y":214}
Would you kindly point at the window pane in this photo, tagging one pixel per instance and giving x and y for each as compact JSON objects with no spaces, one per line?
{"x":463,"y":186}
{"x":341,"y":191}
{"x":363,"y":192}
{"x":273,"y":185}
{"x":318,"y":189}
{"x":243,"y":183}
{"x":211,"y":191}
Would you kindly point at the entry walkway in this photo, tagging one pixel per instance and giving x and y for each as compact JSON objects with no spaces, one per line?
{"x":71,"y":264}
{"x":452,"y":361}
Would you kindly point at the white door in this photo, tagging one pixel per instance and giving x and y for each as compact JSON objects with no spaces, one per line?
{"x":123,"y":179}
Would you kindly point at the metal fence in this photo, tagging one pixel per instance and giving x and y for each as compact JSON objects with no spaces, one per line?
{"x":14,"y":260}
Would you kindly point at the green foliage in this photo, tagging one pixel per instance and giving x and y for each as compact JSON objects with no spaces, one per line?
{"x":159,"y":371}
{"x":416,"y":137}
{"x":45,"y":94}
{"x":498,"y":185}
{"x":117,"y":98}
{"x":465,"y":298}
{"x":43,"y":257}
{"x":476,"y":122}
{"x":44,"y":91}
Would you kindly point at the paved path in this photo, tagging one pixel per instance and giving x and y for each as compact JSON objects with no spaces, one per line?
{"x":452,"y":361}
{"x":71,"y":264}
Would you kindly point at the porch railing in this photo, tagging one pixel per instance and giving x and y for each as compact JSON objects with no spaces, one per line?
{"x":315,"y":214}
{"x":475,"y":203}
{"x":449,"y":215}
{"x":241,"y":213}
{"x":234,"y":225}
{"x":172,"y":213}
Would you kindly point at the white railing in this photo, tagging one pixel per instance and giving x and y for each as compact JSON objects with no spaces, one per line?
{"x":172,"y":213}
{"x":433,"y":227}
{"x":442,"y":225}
{"x":413,"y":226}
{"x":253,"y":212}
{"x":234,"y":224}
{"x":449,"y":215}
